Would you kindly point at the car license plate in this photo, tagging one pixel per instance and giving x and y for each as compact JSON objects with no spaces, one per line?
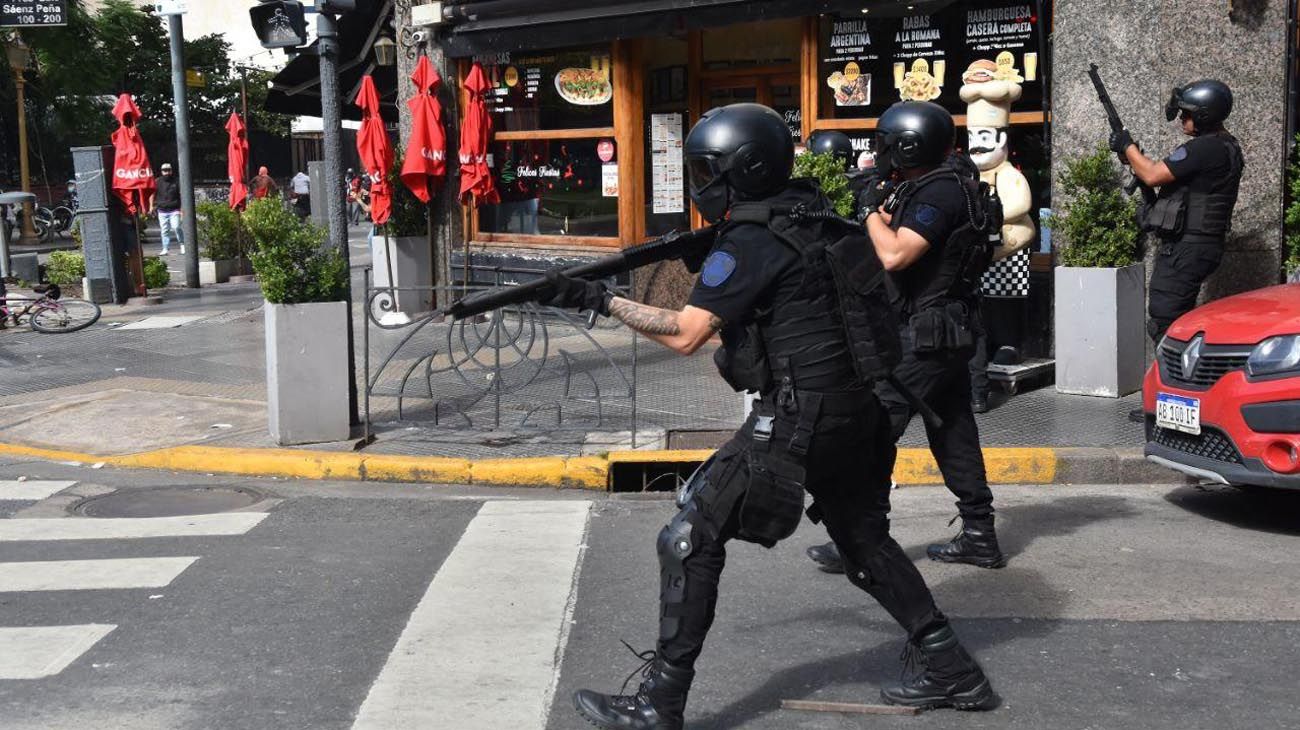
{"x":1178,"y":413}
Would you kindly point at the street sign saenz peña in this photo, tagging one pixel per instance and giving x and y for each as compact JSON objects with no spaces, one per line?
{"x":30,"y":13}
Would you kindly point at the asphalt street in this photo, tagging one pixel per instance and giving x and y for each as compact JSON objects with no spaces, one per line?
{"x":341,"y":605}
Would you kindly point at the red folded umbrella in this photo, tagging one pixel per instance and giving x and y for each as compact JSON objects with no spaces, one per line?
{"x":237,"y":161}
{"x":132,"y":175}
{"x":425,"y":164}
{"x":475,"y":175}
{"x":376,"y":152}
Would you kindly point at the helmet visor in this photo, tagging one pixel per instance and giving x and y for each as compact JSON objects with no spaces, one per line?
{"x":703,"y":171}
{"x":1172,"y":106}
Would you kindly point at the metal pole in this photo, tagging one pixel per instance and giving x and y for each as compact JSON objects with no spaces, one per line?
{"x":336,"y":213}
{"x":189,"y":226}
{"x":243,"y":94}
{"x":25,"y":172}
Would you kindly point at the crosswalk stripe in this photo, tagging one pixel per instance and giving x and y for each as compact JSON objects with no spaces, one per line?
{"x":30,"y":491}
{"x":126,"y":528}
{"x":32,"y":652}
{"x":490,"y":625}
{"x":75,"y":575}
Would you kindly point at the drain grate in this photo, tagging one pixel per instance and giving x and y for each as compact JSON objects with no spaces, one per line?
{"x":168,"y":502}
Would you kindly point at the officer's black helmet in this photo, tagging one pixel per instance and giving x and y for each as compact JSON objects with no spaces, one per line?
{"x":737,"y":152}
{"x":1208,"y":101}
{"x":828,"y":142}
{"x":913,"y":134}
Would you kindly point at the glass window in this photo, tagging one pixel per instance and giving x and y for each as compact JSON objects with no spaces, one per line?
{"x":768,"y":43}
{"x":667,"y":207}
{"x":553,"y":188}
{"x":570,"y":89}
{"x":867,"y":64}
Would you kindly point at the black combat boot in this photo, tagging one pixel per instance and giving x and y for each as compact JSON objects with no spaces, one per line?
{"x":977,"y":544}
{"x":827,"y":557}
{"x":658,"y":704}
{"x":948,"y":676}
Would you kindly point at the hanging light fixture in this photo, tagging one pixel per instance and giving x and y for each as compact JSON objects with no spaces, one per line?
{"x":385,"y":51}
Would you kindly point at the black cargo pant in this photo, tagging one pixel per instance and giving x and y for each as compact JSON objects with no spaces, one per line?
{"x":848,"y":464}
{"x":1180,"y":269}
{"x":943,"y":382}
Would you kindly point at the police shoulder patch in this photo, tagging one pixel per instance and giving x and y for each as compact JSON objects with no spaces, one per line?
{"x":717,"y":269}
{"x":1179,"y":154}
{"x":926,"y":214}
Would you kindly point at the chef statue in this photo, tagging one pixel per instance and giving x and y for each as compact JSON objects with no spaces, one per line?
{"x":989,"y":88}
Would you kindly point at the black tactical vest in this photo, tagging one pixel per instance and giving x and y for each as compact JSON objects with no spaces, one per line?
{"x":966,"y":254}
{"x":836,"y":331}
{"x":1209,"y":214}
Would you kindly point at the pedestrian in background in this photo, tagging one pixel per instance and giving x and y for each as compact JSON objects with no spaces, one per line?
{"x":167,"y":203}
{"x":263,"y":185}
{"x":300,"y":194}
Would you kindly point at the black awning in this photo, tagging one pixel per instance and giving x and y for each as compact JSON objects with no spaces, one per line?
{"x":296,"y":89}
{"x":491,"y":26}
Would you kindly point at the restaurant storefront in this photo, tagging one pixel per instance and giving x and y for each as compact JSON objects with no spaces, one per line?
{"x":589,"y":110}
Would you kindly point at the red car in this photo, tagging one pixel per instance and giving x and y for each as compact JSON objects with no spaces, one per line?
{"x":1222,"y":399}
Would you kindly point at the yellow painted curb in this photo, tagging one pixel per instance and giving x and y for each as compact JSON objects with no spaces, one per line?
{"x":394,"y":468}
{"x":914,"y":466}
{"x":252,"y":462}
{"x":656,"y":457}
{"x":50,"y":454}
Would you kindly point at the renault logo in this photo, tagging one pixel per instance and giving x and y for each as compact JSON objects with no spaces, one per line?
{"x":1192,"y":355}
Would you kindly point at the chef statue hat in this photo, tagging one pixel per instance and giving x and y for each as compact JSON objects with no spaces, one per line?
{"x":989,"y":88}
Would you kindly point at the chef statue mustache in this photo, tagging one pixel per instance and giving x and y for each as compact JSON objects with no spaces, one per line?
{"x":989,"y":88}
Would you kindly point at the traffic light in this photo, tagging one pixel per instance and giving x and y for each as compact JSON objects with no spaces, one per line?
{"x":279,"y":23}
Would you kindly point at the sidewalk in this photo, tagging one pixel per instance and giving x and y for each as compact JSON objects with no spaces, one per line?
{"x":181,"y":386}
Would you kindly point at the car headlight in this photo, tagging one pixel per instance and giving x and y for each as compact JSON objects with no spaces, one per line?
{"x":1275,"y":355}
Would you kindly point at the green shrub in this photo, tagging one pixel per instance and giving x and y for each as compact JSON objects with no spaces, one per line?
{"x":65,"y":267}
{"x":292,"y":260}
{"x":1292,"y":216}
{"x":221,"y":231}
{"x":1098,"y":225}
{"x":156,"y":275}
{"x":829,"y":172}
{"x":410,"y":216}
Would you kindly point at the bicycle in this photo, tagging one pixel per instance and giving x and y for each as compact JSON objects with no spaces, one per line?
{"x":48,"y":314}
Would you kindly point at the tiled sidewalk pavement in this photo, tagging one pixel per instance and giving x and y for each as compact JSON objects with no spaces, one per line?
{"x":203,"y":383}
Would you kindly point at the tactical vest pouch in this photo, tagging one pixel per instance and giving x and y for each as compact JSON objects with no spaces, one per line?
{"x":942,"y":329}
{"x":745,"y":366}
{"x":1168,"y":216}
{"x":870,"y":323}
{"x":773,"y":504}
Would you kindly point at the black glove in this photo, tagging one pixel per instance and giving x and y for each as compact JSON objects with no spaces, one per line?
{"x":872,"y":197}
{"x":1120,"y":141}
{"x":566,"y":292}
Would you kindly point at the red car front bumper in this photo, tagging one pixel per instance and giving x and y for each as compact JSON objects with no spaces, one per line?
{"x":1231,"y":448}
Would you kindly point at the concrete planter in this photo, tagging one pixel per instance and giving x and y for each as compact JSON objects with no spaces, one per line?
{"x":405,"y":263}
{"x":307,"y":372}
{"x":1100,"y":330}
{"x":215,"y":272}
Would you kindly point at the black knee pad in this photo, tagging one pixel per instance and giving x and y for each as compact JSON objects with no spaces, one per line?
{"x":677,"y":541}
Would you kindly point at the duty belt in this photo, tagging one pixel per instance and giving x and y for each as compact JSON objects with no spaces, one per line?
{"x":808,"y":407}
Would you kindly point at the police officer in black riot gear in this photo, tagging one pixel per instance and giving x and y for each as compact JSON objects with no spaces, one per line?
{"x":934,"y":227}
{"x":1198,"y":185}
{"x":785,"y":284}
{"x":935,"y":235}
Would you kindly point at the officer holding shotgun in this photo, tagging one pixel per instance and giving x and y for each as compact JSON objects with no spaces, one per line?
{"x":792,"y":289}
{"x":1192,"y":213}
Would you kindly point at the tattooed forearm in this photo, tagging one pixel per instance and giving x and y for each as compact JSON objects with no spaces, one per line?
{"x":644,"y":318}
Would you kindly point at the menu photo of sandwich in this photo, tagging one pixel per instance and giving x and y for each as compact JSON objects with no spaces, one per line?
{"x":850,"y":86}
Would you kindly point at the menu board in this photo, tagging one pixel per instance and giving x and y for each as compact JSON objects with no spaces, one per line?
{"x":570,"y":89}
{"x":668,"y":179}
{"x":866,"y":65}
